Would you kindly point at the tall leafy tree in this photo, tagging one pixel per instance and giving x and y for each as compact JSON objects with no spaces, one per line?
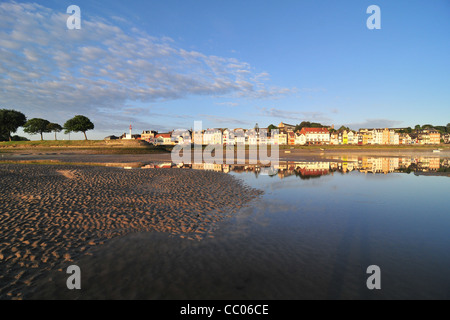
{"x":37,"y":126}
{"x":10,"y":121}
{"x":78,"y":124}
{"x":54,"y":127}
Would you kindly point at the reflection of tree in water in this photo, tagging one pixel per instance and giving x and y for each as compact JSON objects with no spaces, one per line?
{"x":411,"y":168}
{"x":420,"y":167}
{"x":239,"y":169}
{"x":302,"y":176}
{"x":405,"y":170}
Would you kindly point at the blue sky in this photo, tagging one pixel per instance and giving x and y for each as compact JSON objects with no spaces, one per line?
{"x":165,"y":64}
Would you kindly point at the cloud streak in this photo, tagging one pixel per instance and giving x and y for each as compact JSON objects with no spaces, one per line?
{"x":294,"y":115}
{"x":224,"y":121}
{"x":374,"y":123}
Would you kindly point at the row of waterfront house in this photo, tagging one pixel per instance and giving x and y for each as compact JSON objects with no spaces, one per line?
{"x":286,"y":135}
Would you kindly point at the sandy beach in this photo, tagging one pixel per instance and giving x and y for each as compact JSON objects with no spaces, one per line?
{"x":51,"y":215}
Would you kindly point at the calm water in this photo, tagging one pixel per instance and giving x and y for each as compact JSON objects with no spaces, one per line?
{"x":312,"y":235}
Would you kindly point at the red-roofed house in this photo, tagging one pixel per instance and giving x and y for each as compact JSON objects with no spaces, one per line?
{"x":163,"y":138}
{"x":316,"y":135}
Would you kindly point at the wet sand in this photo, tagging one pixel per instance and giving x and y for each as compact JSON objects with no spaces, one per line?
{"x":52,"y":215}
{"x":284,"y":153}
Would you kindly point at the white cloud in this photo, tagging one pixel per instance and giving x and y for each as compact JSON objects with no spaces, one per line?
{"x":47,"y":68}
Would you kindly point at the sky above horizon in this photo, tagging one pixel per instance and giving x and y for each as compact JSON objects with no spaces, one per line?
{"x":161,"y":65}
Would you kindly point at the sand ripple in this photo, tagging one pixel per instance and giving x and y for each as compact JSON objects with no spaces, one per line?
{"x":50,"y":215}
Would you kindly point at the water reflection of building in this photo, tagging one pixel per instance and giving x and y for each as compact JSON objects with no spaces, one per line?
{"x":313,"y":169}
{"x":427,"y":164}
{"x":164,"y":165}
{"x":316,"y":168}
{"x":379,"y":164}
{"x":208,"y":166}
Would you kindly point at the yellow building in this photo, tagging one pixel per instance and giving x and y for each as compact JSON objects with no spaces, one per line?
{"x":435,"y":137}
{"x":434,"y":163}
{"x":367,"y":137}
{"x":282,"y":138}
{"x":284,"y":127}
{"x":148,"y":135}
{"x":197,"y":137}
{"x":386,"y":136}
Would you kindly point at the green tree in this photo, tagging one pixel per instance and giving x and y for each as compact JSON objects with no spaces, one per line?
{"x":78,"y":124}
{"x":271,"y":127}
{"x":440,"y":129}
{"x":448,"y":127}
{"x":37,"y":125}
{"x":303,"y":124}
{"x":308,"y":124}
{"x":342,"y":128}
{"x":417,"y":127}
{"x":54,"y":127}
{"x":10,"y":121}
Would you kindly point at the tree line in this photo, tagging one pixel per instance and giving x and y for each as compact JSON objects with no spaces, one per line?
{"x":307,"y":124}
{"x":11,"y":120}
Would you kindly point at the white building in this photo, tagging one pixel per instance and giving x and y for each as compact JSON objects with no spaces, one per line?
{"x":239,"y":136}
{"x":377,"y":136}
{"x":197,"y":137}
{"x":316,"y":135}
{"x":395,"y":138}
{"x":212,"y":136}
{"x":264,"y":136}
{"x":252,"y":137}
{"x":228,"y":137}
{"x":352,"y":138}
{"x":182,"y":136}
{"x":300,"y":139}
{"x":406,"y":139}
